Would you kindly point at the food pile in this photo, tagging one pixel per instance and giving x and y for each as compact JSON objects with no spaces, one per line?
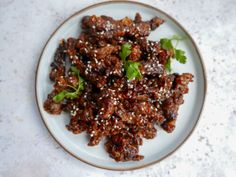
{"x":116,"y":84}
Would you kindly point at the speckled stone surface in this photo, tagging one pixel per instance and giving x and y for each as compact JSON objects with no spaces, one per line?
{"x":26,"y":147}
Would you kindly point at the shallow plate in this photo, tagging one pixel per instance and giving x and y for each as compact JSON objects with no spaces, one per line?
{"x":164,"y":144}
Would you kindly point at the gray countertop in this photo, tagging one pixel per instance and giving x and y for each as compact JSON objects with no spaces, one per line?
{"x":26,"y":147}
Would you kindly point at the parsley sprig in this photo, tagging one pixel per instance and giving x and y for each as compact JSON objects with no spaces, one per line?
{"x":131,"y":67}
{"x":179,"y":54}
{"x":75,"y":90}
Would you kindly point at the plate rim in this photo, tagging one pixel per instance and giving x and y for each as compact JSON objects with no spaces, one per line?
{"x":197,"y":51}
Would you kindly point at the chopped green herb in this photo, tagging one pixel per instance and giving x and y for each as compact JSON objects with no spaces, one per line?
{"x":74,"y":70}
{"x":71,"y":95}
{"x":76,"y":90}
{"x":125,"y":51}
{"x":177,"y":37}
{"x":168,"y":65}
{"x":166,"y":44}
{"x":132,"y":70}
{"x":131,"y":67}
{"x":179,"y":55}
{"x":60,"y":96}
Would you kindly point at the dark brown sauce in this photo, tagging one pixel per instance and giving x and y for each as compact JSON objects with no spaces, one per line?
{"x":111,"y":107}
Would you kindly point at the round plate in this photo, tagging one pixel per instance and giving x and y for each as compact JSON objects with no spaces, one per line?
{"x":155,"y":149}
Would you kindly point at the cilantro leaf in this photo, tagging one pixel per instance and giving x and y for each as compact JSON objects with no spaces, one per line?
{"x":132,"y":70}
{"x":177,"y":37}
{"x":131,"y":67}
{"x":180,"y":57}
{"x":64,"y":94}
{"x":166,"y":44}
{"x":168,"y":65}
{"x":125,"y":51}
{"x":60,"y":96}
{"x":71,"y":94}
{"x":74,"y":70}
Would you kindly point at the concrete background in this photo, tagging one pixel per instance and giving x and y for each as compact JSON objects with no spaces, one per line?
{"x":27,"y":149}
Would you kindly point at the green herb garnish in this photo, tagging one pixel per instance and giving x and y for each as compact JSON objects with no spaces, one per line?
{"x":168,"y":65}
{"x":76,"y":90}
{"x":131,"y":67}
{"x":75,"y":71}
{"x":125,"y":51}
{"x":132,"y":70}
{"x":179,"y":54}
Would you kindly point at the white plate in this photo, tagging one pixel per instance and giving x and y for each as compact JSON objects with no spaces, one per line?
{"x":164,"y":144}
